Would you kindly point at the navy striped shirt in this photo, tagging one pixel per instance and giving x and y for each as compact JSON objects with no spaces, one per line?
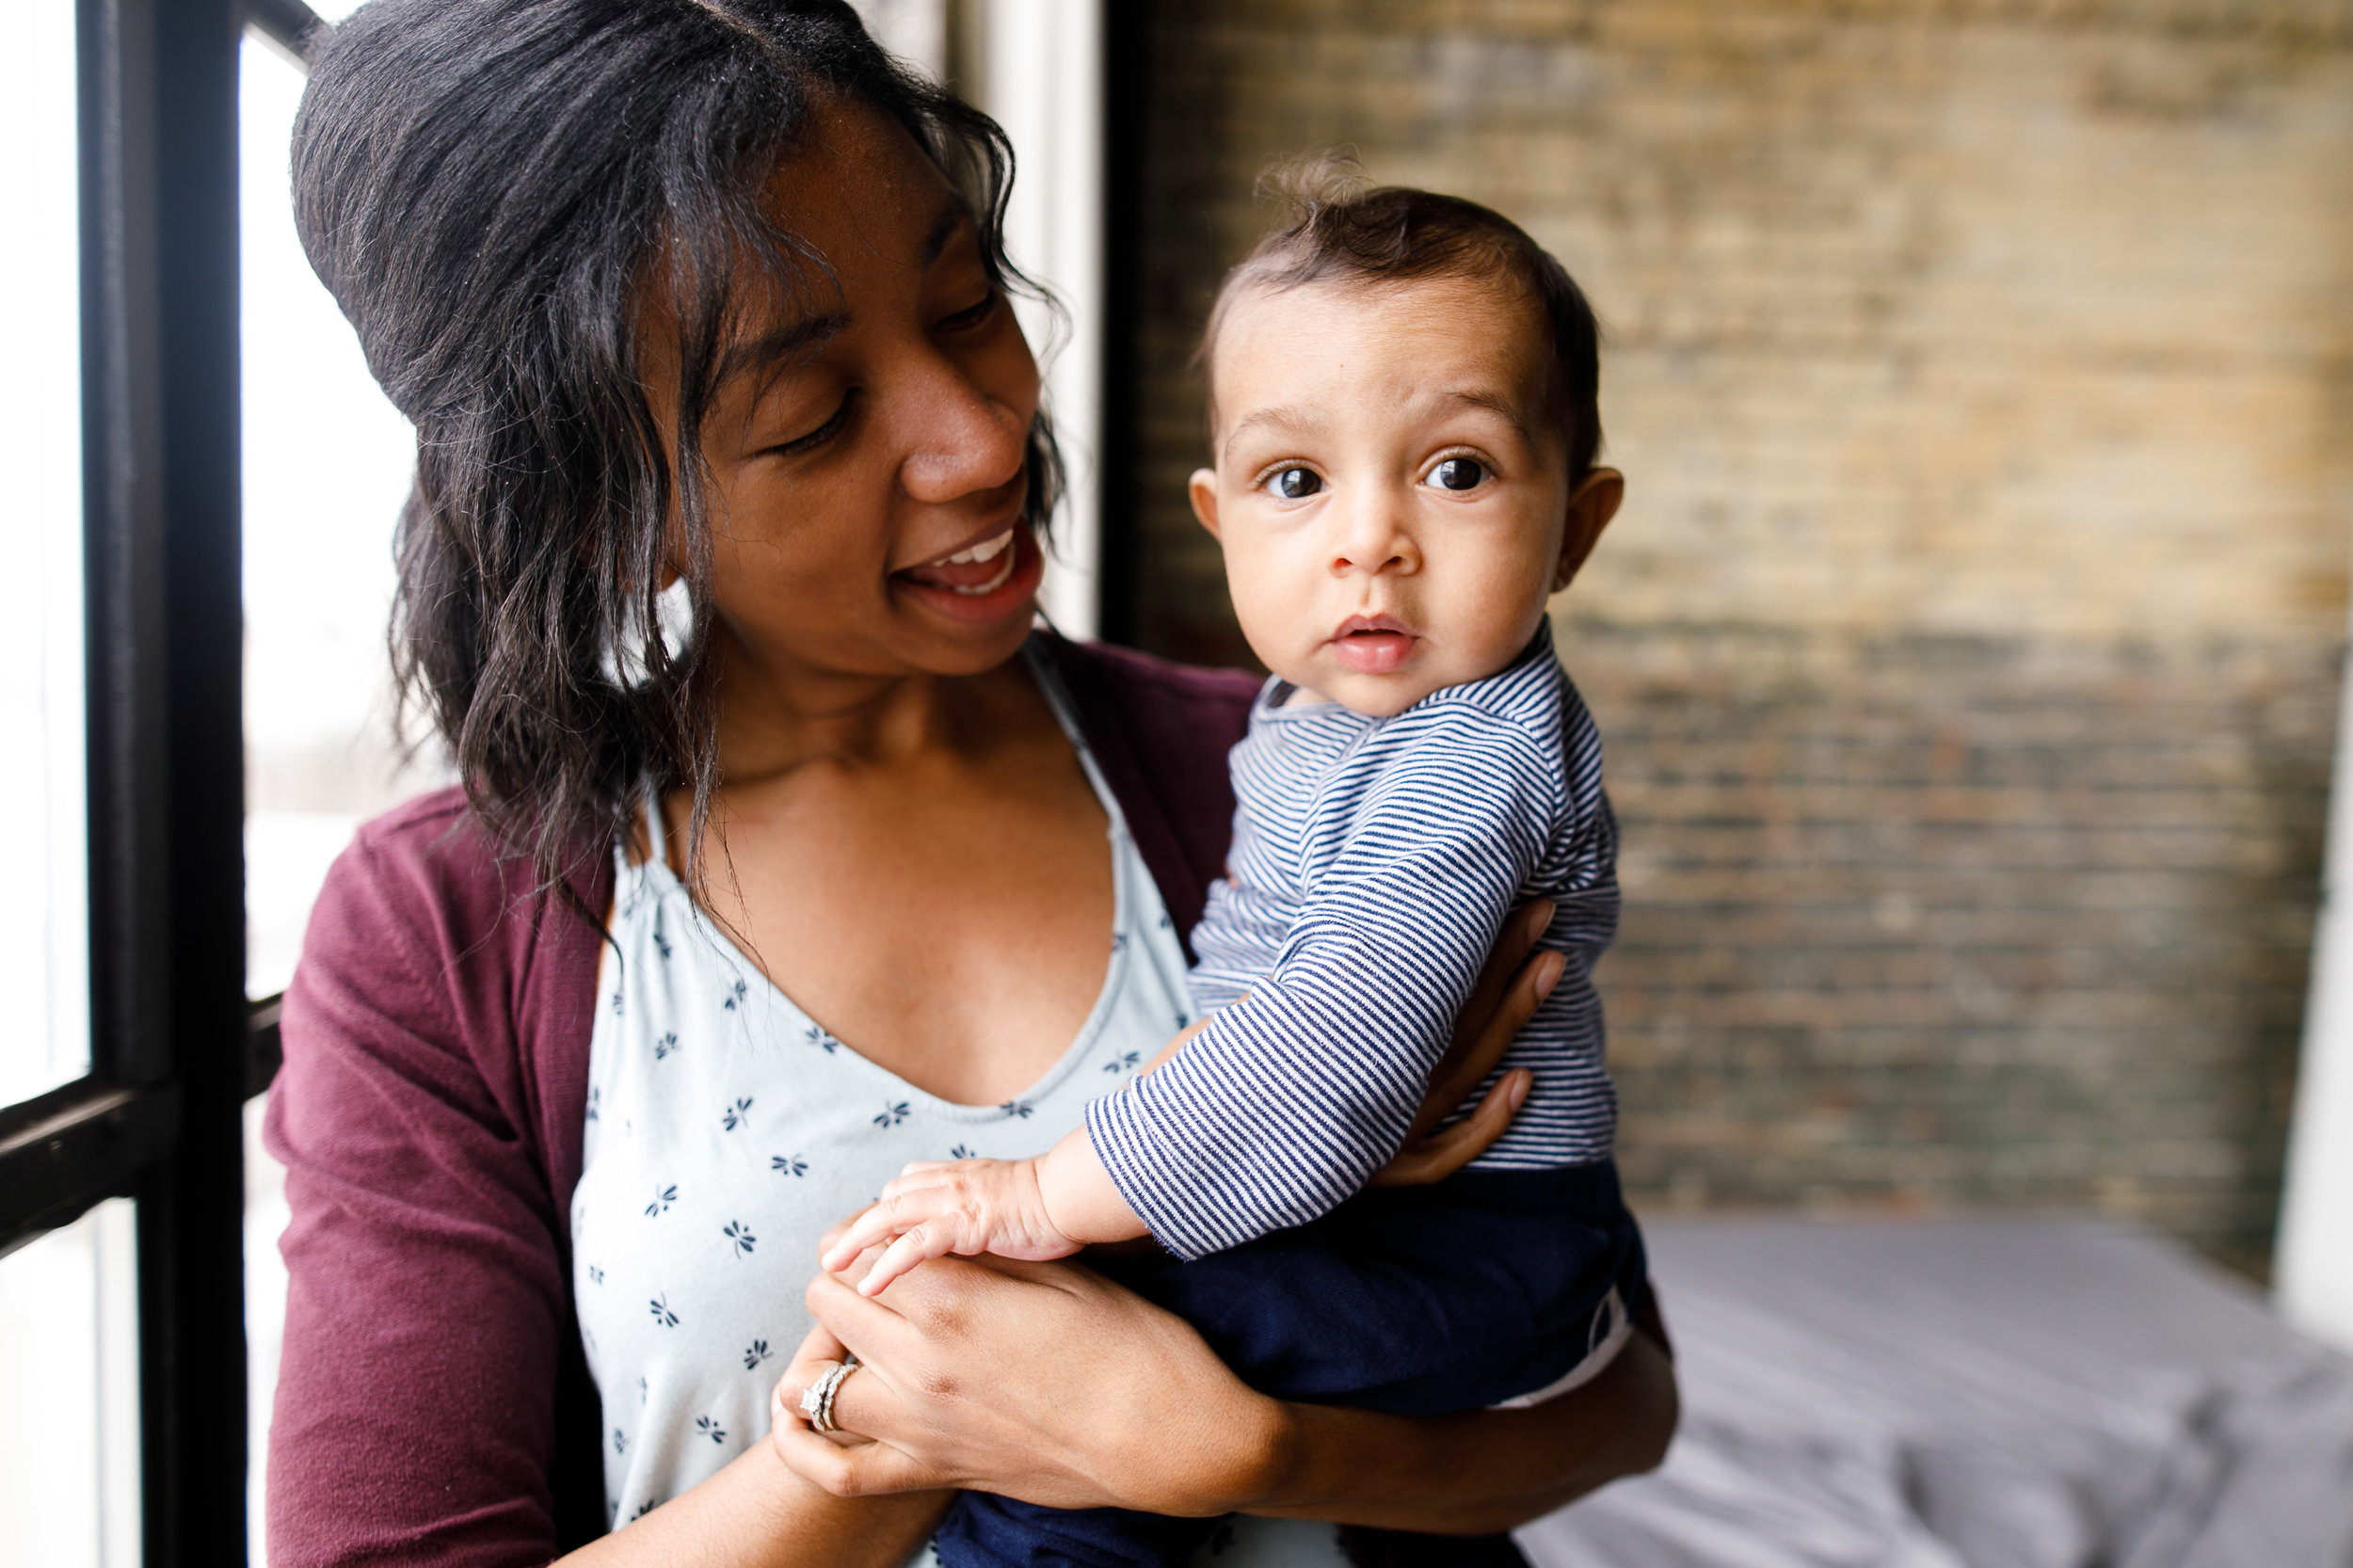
{"x":1373,"y":863}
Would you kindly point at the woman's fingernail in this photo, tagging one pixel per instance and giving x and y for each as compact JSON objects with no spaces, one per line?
{"x":1554,"y":964}
{"x":1518,"y":1093}
{"x":1540,"y":919}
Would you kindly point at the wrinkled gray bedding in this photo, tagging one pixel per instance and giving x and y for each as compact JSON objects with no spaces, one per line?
{"x":1980,"y":1393}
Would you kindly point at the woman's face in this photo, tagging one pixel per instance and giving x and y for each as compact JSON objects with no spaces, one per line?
{"x":868,"y":462}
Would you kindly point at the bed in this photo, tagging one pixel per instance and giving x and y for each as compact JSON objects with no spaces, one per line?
{"x":1975,"y":1393}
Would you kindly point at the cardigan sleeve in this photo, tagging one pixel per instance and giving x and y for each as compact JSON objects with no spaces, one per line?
{"x":428,"y":1316}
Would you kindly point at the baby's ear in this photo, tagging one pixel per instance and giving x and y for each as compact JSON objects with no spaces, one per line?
{"x":1591,"y":504}
{"x":1203,"y":488}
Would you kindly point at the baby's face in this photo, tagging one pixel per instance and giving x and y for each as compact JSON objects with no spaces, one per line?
{"x":1391,"y":487}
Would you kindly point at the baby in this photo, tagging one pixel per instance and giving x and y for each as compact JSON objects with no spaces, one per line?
{"x":1404,"y":428}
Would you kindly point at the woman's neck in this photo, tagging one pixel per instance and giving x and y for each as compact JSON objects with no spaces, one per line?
{"x":777,"y":715}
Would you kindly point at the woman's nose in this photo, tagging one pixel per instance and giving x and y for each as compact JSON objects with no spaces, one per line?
{"x":967,"y":439}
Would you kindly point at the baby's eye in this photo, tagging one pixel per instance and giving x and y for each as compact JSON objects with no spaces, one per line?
{"x":1296,"y":483}
{"x":1458,"y":474}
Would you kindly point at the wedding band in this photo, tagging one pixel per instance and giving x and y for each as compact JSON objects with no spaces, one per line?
{"x":817,"y":1399}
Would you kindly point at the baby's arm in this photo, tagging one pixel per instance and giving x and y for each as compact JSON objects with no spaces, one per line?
{"x":1293,"y":1096}
{"x":1039,"y":1208}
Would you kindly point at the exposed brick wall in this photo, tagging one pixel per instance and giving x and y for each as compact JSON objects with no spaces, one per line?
{"x":1967,"y":650}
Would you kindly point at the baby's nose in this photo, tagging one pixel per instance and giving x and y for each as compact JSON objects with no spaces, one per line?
{"x":1374,"y":539}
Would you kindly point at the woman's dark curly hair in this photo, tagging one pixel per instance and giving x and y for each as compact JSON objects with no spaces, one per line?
{"x":489,"y":189}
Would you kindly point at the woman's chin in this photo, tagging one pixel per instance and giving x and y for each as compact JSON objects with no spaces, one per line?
{"x":1008,"y":604}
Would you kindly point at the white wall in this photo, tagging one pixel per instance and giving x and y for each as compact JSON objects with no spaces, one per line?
{"x":2314,"y":1261}
{"x":1036,"y":65}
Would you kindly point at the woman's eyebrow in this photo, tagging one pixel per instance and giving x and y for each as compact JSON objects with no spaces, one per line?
{"x":954,"y":213}
{"x":780,"y":344}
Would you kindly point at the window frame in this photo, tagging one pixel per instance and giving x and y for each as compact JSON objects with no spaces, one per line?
{"x":175,"y":1046}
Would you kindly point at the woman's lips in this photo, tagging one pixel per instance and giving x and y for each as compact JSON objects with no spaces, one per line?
{"x":976,"y":569}
{"x":1375,"y":644}
{"x":985,"y":582}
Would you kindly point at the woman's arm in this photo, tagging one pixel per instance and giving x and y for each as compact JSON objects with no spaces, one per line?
{"x":1474,"y":1473}
{"x":1047,"y":1382}
{"x":416,"y":1415}
{"x":757,"y":1513}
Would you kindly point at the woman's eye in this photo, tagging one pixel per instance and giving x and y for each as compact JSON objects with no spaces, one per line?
{"x":1458,"y":474}
{"x":818,"y":436}
{"x":972,"y":315}
{"x":1297,"y":483}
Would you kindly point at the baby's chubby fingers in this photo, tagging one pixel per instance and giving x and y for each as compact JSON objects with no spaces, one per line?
{"x":880,"y":1221}
{"x":917,"y":1244}
{"x":906,"y":1204}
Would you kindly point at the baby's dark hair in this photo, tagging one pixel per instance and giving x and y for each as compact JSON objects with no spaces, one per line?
{"x":1338,"y":227}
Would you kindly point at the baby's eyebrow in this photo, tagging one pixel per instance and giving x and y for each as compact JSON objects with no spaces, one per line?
{"x":1494,"y":402}
{"x":1289,"y":419}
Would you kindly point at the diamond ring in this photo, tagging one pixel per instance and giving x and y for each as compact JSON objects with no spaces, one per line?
{"x":817,"y":1399}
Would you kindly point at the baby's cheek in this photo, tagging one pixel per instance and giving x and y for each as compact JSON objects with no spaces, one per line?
{"x":1274,"y":601}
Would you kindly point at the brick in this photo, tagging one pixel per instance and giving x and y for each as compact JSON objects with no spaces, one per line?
{"x":1967,"y":654}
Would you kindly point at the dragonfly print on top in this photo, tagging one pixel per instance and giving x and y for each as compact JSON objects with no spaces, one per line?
{"x":731,"y":1129}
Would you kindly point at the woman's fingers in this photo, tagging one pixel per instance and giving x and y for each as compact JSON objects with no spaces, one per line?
{"x":1442,"y":1153}
{"x":1456,"y":1078}
{"x":872,"y":1328}
{"x":818,"y":1344}
{"x":862,"y":1470}
{"x":1508,"y":990}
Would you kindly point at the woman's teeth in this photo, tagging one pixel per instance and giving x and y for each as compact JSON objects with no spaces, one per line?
{"x":987,"y":549}
{"x":998,"y":550}
{"x":975,"y":570}
{"x":997,"y":580}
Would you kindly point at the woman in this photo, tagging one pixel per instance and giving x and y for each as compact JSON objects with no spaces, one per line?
{"x":838,"y":841}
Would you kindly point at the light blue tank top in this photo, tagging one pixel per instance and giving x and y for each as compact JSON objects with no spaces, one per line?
{"x":726,"y":1129}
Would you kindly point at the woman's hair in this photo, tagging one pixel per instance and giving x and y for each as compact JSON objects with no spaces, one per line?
{"x":491,"y":188}
{"x":1338,"y":227}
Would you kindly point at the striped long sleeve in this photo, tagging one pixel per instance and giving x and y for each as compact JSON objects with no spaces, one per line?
{"x":1374,"y":862}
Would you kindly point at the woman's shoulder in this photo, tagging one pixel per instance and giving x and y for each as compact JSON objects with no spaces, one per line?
{"x":432,"y":857}
{"x":1159,"y":732}
{"x":431,"y":943}
{"x":1135,"y":676}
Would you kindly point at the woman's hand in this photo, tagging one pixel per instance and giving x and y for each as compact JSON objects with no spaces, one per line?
{"x":1039,"y":1381}
{"x":1045,"y":1381}
{"x":1508,"y":991}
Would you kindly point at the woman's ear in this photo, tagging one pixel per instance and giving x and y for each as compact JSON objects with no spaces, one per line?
{"x":1203,"y":488}
{"x":1591,"y":504}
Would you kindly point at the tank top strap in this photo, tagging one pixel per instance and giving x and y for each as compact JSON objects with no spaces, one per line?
{"x":657,"y":835}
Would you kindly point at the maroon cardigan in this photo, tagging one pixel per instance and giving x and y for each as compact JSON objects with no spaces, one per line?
{"x":433,"y":1403}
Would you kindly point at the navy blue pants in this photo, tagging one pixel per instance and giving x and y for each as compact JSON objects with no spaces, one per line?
{"x":1418,"y":1301}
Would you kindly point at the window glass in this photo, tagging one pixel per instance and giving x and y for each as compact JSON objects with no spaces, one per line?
{"x":44,"y":921}
{"x":328,"y":463}
{"x":69,"y":1383}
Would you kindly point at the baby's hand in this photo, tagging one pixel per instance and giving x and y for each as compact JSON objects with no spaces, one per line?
{"x":934,"y":1209}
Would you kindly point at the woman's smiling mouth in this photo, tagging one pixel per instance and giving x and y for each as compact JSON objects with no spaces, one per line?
{"x":973,"y":570}
{"x":982,"y":580}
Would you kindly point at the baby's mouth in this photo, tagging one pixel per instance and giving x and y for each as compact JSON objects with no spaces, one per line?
{"x":1375,"y":644}
{"x":976,"y":569}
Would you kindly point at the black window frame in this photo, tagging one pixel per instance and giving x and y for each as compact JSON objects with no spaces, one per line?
{"x":176,"y":1048}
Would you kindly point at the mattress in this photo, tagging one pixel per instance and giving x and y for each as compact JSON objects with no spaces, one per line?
{"x":1973,"y":1393}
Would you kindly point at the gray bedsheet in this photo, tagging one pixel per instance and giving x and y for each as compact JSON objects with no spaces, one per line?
{"x":1975,"y":1393}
